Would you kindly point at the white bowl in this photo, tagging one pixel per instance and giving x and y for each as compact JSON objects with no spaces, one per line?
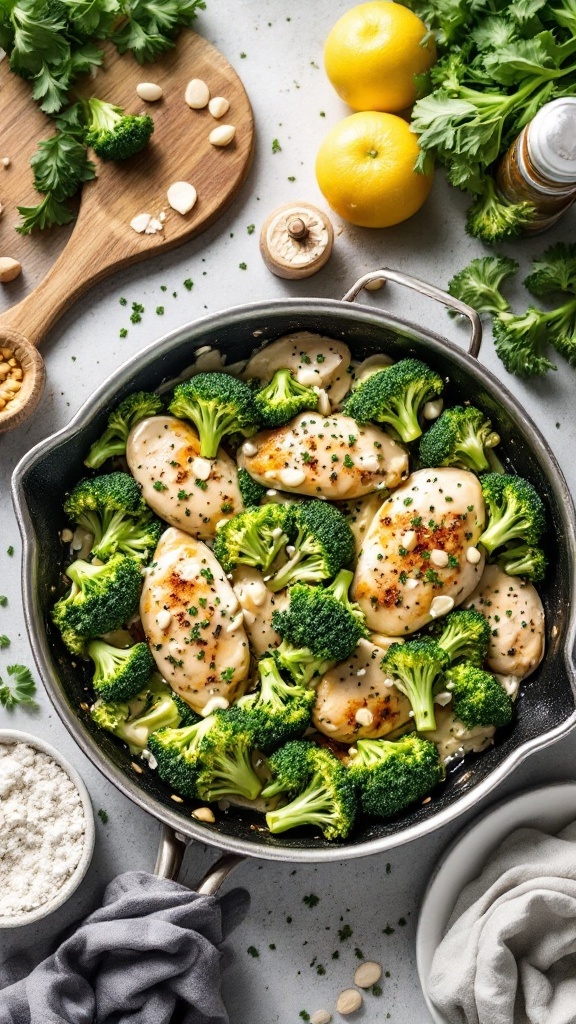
{"x":549,"y":808}
{"x":70,"y":886}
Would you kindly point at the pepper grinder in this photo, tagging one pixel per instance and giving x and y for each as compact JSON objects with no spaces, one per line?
{"x":296,"y":240}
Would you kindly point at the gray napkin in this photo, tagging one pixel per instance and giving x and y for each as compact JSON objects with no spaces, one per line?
{"x":153,"y":948}
{"x":509,"y":954}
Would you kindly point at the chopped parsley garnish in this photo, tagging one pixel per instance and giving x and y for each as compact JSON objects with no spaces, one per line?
{"x":344,"y":933}
{"x":103,"y":815}
{"x":312,"y":900}
{"x":253,"y":951}
{"x":276,"y":147}
{"x":159,"y":486}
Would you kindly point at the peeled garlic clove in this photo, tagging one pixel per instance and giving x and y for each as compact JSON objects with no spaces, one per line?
{"x":182,"y":196}
{"x":222,"y":135}
{"x":197,"y":94}
{"x":9,"y":268}
{"x":149,"y":91}
{"x":141,"y":222}
{"x":218,"y":106}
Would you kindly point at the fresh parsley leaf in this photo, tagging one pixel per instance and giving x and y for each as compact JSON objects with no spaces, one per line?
{"x":20,"y":688}
{"x":4,"y":641}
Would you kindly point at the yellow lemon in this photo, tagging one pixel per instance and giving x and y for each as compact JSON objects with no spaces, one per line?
{"x":373,"y":53}
{"x":365,"y":170}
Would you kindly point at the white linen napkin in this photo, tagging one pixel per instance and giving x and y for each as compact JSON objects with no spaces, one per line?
{"x":509,"y":952}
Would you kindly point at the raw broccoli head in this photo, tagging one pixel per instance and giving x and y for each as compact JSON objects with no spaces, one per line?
{"x":554,"y":271}
{"x":458,"y":438}
{"x":101,"y":598}
{"x":515,"y":511}
{"x":478,"y":698}
{"x":326,"y":799}
{"x":119,"y":673}
{"x":415,"y":667}
{"x":323,"y":542}
{"x":396,"y":396}
{"x":493,"y":218}
{"x":320,"y":627}
{"x":524,"y":560}
{"x":155,"y":707}
{"x":282,"y":399}
{"x":465,"y":634}
{"x":478,"y":284}
{"x":131,"y":410}
{"x":253,"y":537}
{"x":281,"y":711}
{"x":251,"y":491}
{"x":520,"y":341}
{"x":114,"y":135}
{"x":111,"y":508}
{"x":392,"y":775}
{"x":218,"y":405}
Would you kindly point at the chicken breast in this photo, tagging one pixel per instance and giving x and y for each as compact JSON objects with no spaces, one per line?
{"x":516,"y":616}
{"x":359,"y":515}
{"x":454,"y":739}
{"x":419,"y":558}
{"x":357,"y":700}
{"x":315,"y":361}
{"x":189,"y":492}
{"x":193,"y":622}
{"x":258,"y":604}
{"x":327,"y":457}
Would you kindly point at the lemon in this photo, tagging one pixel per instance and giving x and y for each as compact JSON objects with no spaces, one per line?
{"x":373,"y":53}
{"x":365,"y":170}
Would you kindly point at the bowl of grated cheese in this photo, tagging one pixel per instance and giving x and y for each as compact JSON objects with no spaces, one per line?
{"x":46,"y":829}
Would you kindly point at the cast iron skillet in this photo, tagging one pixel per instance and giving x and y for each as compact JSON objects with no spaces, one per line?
{"x":546,"y":709}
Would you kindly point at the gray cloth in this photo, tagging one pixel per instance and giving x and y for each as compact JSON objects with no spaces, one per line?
{"x":509,"y":954}
{"x":150,"y":952}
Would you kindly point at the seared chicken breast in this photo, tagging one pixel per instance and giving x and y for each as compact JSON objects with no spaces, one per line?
{"x":314,"y":360}
{"x":325,"y":457}
{"x":419,"y":558}
{"x":189,"y":492}
{"x":454,"y":739}
{"x":359,"y":514}
{"x":516,"y":616}
{"x":258,"y":604}
{"x":193,"y":622}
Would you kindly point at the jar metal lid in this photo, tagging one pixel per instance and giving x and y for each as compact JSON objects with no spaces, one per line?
{"x":552,"y":140}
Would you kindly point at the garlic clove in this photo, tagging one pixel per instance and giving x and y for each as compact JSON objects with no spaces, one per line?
{"x":182,"y":196}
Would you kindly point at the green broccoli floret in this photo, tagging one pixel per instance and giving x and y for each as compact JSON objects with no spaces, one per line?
{"x":251,"y":491}
{"x":323,"y":542}
{"x":320,"y":627}
{"x":392,"y":775}
{"x":493,"y":218}
{"x":281,"y":710}
{"x":131,"y":410}
{"x":515,"y":511}
{"x":520,"y":341}
{"x":289,"y":769}
{"x":325,"y":798}
{"x":101,"y":598}
{"x":253,"y":537}
{"x":524,"y":560}
{"x":119,"y":672}
{"x":282,"y":399}
{"x":415,"y":667}
{"x":554,"y":271}
{"x":113,"y":134}
{"x":218,"y":405}
{"x":478,"y":284}
{"x":465,"y":634}
{"x":155,"y":707}
{"x":458,"y":438}
{"x":211,"y":759}
{"x":396,"y":396}
{"x":478,"y":698}
{"x":111,"y":508}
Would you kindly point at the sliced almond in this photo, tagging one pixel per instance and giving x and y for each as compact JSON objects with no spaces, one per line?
{"x":182,"y":196}
{"x":367,"y":974}
{"x":349,"y":1001}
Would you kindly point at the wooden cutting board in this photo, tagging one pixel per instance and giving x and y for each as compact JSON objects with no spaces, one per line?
{"x":63,"y":264}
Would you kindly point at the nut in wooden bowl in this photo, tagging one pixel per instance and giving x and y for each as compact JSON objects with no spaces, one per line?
{"x":22,"y":377}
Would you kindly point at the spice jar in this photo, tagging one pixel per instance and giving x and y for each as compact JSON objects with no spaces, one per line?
{"x":540,"y":166}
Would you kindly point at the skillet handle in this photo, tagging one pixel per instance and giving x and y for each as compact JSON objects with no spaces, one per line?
{"x":169,"y":861}
{"x":423,"y":288}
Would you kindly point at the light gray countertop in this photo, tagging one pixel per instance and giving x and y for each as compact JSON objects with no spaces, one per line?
{"x":282,"y":71}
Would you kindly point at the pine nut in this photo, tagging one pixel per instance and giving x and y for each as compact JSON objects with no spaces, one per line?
{"x":222,"y":135}
{"x":367,"y":974}
{"x":441,"y":606}
{"x":432,"y":410}
{"x":197,"y":94}
{"x":203,"y":814}
{"x":349,"y":1001}
{"x":218,"y":106}
{"x":149,"y":91}
{"x":473,"y":556}
{"x":439,"y":558}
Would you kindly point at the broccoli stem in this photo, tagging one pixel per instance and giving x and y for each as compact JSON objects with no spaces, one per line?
{"x":502,"y":528}
{"x":306,"y":563}
{"x":211,"y":424}
{"x":230,"y":774}
{"x":312,"y":807}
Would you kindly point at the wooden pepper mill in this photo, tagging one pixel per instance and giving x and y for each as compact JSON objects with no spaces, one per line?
{"x":296,"y":240}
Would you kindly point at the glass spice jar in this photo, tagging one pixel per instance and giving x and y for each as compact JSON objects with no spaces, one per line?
{"x":540,"y":166}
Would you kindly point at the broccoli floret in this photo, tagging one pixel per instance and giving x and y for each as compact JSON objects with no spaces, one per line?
{"x":465,"y":634}
{"x":493,"y":218}
{"x":281,"y":710}
{"x":113,"y":134}
{"x":396,"y":396}
{"x":289,"y":769}
{"x":119,"y":673}
{"x":415,"y":667}
{"x":156,"y":706}
{"x":131,"y":410}
{"x":458,"y":438}
{"x":323,"y":542}
{"x":211,"y":759}
{"x":392,"y":775}
{"x":554,"y":271}
{"x":520,"y":341}
{"x":101,"y":598}
{"x":524,"y":560}
{"x":478,"y":284}
{"x":478,"y":698}
{"x":320,"y":627}
{"x":111,"y":508}
{"x":515,"y":511}
{"x":253,"y":537}
{"x":282,"y":399}
{"x":217,"y":404}
{"x":325,"y":798}
{"x":251,"y":491}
